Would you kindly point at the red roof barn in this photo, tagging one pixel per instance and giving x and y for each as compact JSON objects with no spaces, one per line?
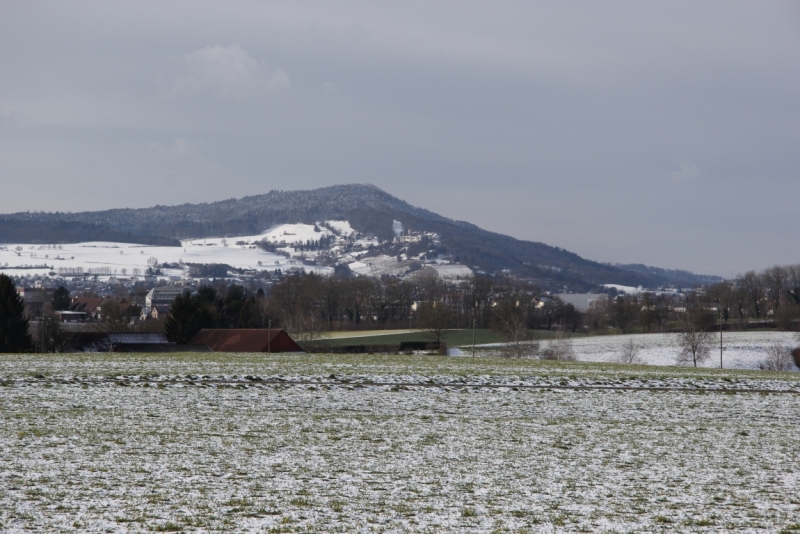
{"x":246,"y":340}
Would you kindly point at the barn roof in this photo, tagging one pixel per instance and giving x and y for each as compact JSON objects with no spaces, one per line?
{"x":246,"y":340}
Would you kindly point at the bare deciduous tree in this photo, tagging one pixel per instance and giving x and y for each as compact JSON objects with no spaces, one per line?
{"x":47,"y":334}
{"x":629,"y":353}
{"x":753,"y":287}
{"x":694,"y":341}
{"x":515,"y":329}
{"x":625,"y":312}
{"x":435,"y":317}
{"x":512,"y":314}
{"x":265,"y":312}
{"x":117,"y":317}
{"x":308,"y":327}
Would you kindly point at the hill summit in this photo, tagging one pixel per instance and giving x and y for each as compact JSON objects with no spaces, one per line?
{"x":369,"y":210}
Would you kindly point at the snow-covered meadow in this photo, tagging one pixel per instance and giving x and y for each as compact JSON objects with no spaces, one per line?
{"x":301,"y":443}
{"x":126,"y":259}
{"x":741,"y":350}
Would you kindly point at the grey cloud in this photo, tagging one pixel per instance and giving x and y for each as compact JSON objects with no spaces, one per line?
{"x":656,"y":133}
{"x":228,"y":72}
{"x":180,"y":148}
{"x":686,"y":171}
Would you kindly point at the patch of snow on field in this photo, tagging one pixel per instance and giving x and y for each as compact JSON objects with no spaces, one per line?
{"x":289,"y":233}
{"x":360,"y":268}
{"x":342,"y":228}
{"x":295,"y":233}
{"x":367,"y":242}
{"x":453,"y":271}
{"x":380,"y":265}
{"x":630,"y":290}
{"x":119,"y":256}
{"x":741,"y":350}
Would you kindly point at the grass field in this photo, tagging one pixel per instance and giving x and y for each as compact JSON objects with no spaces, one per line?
{"x":453,"y":338}
{"x":313,"y":443}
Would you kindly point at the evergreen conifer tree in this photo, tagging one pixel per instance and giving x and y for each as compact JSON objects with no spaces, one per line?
{"x":187,"y":316}
{"x":14,"y":335}
{"x":61,"y":300}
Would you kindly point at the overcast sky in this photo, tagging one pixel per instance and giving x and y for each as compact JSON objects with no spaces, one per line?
{"x":660,"y":133}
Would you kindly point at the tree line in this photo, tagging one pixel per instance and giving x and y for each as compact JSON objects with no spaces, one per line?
{"x":306,"y":305}
{"x":770,"y":295}
{"x":770,"y":298}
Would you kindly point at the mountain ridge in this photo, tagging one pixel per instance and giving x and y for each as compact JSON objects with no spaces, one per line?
{"x":369,"y":209}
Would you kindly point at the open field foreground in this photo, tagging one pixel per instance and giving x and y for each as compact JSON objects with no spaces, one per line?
{"x":358,"y":443}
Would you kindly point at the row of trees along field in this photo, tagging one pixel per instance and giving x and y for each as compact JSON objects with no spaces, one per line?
{"x":770,"y":298}
{"x":306,"y":305}
{"x":771,"y":295}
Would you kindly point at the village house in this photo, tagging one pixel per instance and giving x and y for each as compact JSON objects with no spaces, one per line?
{"x":163,"y":295}
{"x":35,"y":298}
{"x":159,"y":311}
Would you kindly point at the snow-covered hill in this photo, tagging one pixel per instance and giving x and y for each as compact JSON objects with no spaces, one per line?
{"x":106,"y":259}
{"x":316,"y":248}
{"x":369,"y":212}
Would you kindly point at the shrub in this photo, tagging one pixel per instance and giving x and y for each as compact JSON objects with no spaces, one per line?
{"x":779,"y":358}
{"x":520,"y":349}
{"x":629,"y":353}
{"x":560,"y":348}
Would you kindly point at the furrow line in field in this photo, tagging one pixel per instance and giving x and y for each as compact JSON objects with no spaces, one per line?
{"x":459,"y":385}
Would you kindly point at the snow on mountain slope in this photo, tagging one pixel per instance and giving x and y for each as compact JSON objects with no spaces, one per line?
{"x":368,"y":210}
{"x":118,"y":259}
{"x":294,"y":247}
{"x":342,"y":228}
{"x":288,"y":233}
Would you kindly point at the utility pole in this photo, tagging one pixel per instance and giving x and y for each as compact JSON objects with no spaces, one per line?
{"x":720,"y":337}
{"x":269,"y":336}
{"x":473,"y":336}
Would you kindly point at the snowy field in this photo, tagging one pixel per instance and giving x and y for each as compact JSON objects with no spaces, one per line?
{"x":133,"y":259}
{"x":741,"y":350}
{"x":321,"y":443}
